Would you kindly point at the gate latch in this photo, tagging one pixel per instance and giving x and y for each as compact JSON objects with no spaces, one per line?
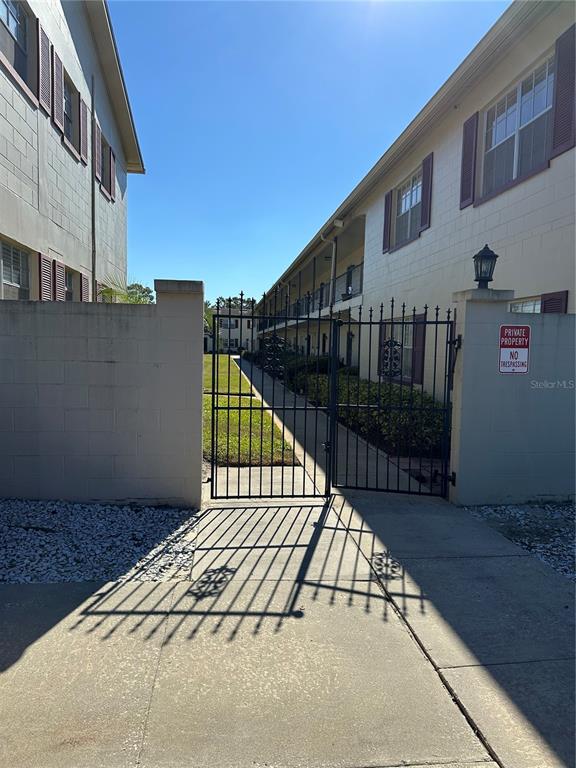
{"x":326,"y":446}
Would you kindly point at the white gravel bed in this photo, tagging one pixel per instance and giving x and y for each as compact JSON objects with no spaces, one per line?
{"x":52,"y":541}
{"x":546,"y":530}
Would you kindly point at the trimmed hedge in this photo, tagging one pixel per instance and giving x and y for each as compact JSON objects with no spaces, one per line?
{"x":399,"y":431}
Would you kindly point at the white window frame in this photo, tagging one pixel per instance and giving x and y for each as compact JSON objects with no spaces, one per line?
{"x":413,"y":196}
{"x":547,"y":60}
{"x":24,"y":263}
{"x":531,"y":305}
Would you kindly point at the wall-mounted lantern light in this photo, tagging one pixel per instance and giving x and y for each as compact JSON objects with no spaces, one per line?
{"x":484,"y":263}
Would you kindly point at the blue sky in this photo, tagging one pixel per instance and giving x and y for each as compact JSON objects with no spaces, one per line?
{"x":256,"y":119}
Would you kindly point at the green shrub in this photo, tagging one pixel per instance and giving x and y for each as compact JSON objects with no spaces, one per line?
{"x":416,"y":428}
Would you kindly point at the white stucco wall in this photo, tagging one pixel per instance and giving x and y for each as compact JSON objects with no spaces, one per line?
{"x":103,"y":401}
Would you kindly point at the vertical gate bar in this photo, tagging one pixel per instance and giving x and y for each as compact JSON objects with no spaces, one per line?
{"x":250,"y":398}
{"x":348,"y":332}
{"x":369,"y":396}
{"x":272,"y":404}
{"x":433,"y":407}
{"x":240,"y":401}
{"x":294,"y":403}
{"x":423,"y":409}
{"x":358,"y":421}
{"x":333,"y":395}
{"x":446,"y":420}
{"x":334,"y":446}
{"x":261,"y":406}
{"x":379,"y":415}
{"x":398,"y":457}
{"x":214,"y":411}
{"x":284,"y":393}
{"x":411,"y":400}
{"x":309,"y":390}
{"x":228,"y":408}
{"x":306,"y":404}
{"x":390,"y":372}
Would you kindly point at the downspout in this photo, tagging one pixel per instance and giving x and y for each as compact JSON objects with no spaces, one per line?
{"x":93,"y":200}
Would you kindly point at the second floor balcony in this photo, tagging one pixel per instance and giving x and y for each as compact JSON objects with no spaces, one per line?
{"x":346,"y":286}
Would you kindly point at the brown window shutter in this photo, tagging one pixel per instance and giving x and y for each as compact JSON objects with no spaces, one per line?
{"x":99,"y":296}
{"x":83,"y":131}
{"x":564,"y":128}
{"x":45,"y":280}
{"x":554,"y":302}
{"x":57,"y":91}
{"x":426,"y":192}
{"x":418,"y":348}
{"x":387,"y":221}
{"x":44,"y":70}
{"x":59,"y":281}
{"x":84,"y":288}
{"x":97,"y":152}
{"x":468,"y":167}
{"x":112,"y":175}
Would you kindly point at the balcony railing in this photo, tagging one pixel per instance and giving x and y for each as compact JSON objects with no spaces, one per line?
{"x":347,"y":285}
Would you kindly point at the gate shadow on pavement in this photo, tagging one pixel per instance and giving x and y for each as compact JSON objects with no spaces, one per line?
{"x":254,"y":569}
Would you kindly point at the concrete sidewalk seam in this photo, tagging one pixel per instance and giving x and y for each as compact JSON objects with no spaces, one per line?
{"x":507,"y":663}
{"x":153,"y":686}
{"x":454,"y":696}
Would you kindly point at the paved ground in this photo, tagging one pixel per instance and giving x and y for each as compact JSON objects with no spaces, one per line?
{"x":353,"y":637}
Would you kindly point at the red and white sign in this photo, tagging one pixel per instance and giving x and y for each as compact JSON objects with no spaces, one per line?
{"x":514,"y":348}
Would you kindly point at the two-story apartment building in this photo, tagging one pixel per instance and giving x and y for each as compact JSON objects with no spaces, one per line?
{"x":67,"y":143}
{"x":490,"y":159}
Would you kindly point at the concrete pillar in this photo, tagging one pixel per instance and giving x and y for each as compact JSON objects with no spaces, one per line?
{"x":512,"y":433}
{"x":180,"y":306}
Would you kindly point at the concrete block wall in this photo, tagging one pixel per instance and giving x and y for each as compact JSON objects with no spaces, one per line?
{"x":512,"y":434}
{"x":103,"y":401}
{"x":45,"y":192}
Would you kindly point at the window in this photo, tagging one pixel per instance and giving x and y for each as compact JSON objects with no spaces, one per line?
{"x":14,"y":17}
{"x":105,"y":155}
{"x":526,"y":305}
{"x":14,"y":273}
{"x":408,"y":208}
{"x":69,"y":277}
{"x":17,"y":43}
{"x":556,"y":302}
{"x":517,"y":129}
{"x":71,"y":113}
{"x":228,"y":322}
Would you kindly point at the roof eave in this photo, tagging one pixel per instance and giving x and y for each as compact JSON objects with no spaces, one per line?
{"x":514,"y":23}
{"x":99,"y":18}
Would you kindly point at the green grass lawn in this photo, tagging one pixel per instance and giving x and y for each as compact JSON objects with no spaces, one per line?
{"x":259,"y":424}
{"x":226,"y":366}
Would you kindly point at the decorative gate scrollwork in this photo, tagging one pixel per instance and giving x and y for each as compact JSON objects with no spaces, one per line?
{"x":273,"y":356}
{"x":391,"y":358}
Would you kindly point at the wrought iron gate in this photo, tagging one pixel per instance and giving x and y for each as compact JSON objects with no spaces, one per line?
{"x":305,"y":399}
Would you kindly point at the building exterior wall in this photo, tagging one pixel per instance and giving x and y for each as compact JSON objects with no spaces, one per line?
{"x":45,"y":190}
{"x":530,"y":226}
{"x":103,"y":402}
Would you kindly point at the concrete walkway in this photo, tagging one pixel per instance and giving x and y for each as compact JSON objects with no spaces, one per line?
{"x":305,"y":429}
{"x":378,"y":631}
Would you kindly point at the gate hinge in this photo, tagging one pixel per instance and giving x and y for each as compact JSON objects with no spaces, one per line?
{"x":450,"y":477}
{"x":457,"y":342}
